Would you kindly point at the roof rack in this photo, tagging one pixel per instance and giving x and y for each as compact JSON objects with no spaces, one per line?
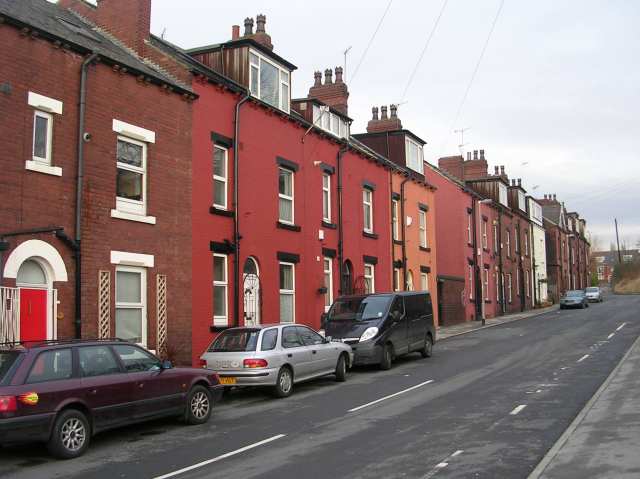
{"x":43,"y":342}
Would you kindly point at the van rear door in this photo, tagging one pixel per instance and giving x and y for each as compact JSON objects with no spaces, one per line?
{"x":399,"y":331}
{"x":421,"y":316}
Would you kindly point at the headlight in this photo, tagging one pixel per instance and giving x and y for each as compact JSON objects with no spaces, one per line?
{"x":368,"y":334}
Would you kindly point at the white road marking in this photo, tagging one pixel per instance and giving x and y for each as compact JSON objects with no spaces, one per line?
{"x":611,"y":335}
{"x":457,"y":453}
{"x":583,"y":358}
{"x":442,"y":464}
{"x":621,"y":326}
{"x":390,"y":396}
{"x":219,"y":458}
{"x":518,"y":409}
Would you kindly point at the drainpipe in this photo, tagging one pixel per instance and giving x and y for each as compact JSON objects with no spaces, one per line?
{"x":500,"y":274}
{"x":341,"y":152}
{"x":476,"y":267}
{"x":79,"y":186}
{"x":402,"y":231}
{"x":236,"y":216}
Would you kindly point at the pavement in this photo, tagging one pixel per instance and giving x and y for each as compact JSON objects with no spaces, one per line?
{"x":490,"y":403}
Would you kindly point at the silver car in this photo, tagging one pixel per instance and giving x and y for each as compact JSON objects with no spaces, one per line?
{"x":594,"y":294}
{"x":277,"y":356}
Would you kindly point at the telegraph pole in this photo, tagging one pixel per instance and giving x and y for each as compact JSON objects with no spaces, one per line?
{"x":618,"y":241}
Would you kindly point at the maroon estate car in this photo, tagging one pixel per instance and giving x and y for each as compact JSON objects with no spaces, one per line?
{"x":63,"y":392}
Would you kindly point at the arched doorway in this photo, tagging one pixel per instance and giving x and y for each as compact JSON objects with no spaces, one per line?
{"x":251,"y":288}
{"x":409,"y":285}
{"x":347,"y":278}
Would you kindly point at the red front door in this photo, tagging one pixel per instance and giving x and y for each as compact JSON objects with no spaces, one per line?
{"x":33,"y":314}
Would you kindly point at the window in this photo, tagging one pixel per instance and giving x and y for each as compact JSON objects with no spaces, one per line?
{"x":509,"y":288}
{"x":424,"y":281}
{"x":309,"y":337}
{"x":518,"y":283}
{"x":470,"y":281}
{"x":486,"y":284}
{"x":285,"y":189}
{"x":414,"y":158}
{"x":367,"y":205}
{"x":287,"y":293}
{"x":508,"y":243}
{"x":409,"y":286}
{"x":269,"y":81}
{"x":422,"y":217}
{"x":42,"y":137}
{"x":328,"y":283}
{"x":395,"y":208}
{"x":51,"y":366}
{"x":135,"y":359}
{"x":517,"y":238}
{"x":396,"y":279}
{"x":131,"y":176}
{"x":469,"y":237}
{"x":369,"y":279}
{"x":97,"y":361}
{"x":485,"y":238}
{"x":291,"y":338}
{"x":269,"y":340}
{"x":329,"y":121}
{"x":220,"y":164}
{"x":536,"y":211}
{"x":220,"y":290}
{"x":526,"y":242}
{"x":502,"y":192}
{"x":497,"y":288}
{"x":522,"y":204}
{"x":526,"y":283}
{"x":131,"y":311}
{"x":495,"y":238}
{"x":326,"y":197}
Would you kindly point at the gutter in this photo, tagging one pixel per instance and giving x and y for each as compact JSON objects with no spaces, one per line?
{"x":236,"y":216}
{"x":79,"y":186}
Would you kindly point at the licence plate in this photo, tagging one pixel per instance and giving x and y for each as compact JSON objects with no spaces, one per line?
{"x":228,"y":381}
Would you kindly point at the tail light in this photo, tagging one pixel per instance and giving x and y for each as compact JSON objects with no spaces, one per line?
{"x":203,"y":363}
{"x":255,"y":363}
{"x":8,"y":404}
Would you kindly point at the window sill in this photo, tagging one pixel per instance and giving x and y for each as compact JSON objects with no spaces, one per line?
{"x":218,"y":328}
{"x":398,"y":242}
{"x":42,"y":168}
{"x":285,"y":226}
{"x":369,"y":235}
{"x":133,"y":217}
{"x":214,"y":210}
{"x":425,"y":249}
{"x":487,"y":301}
{"x":331,"y":226}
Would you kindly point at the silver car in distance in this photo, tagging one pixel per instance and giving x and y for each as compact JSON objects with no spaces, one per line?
{"x":275,"y":355}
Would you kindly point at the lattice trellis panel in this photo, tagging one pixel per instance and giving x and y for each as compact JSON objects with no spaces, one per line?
{"x":161,"y":308}
{"x":104,"y":304}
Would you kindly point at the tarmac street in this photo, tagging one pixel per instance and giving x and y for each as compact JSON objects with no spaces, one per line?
{"x":489,"y":404}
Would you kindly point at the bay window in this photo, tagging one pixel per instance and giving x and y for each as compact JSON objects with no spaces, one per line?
{"x":269,"y":81}
{"x":414,"y":158}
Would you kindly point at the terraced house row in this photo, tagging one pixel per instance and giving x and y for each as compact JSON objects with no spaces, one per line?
{"x":161,"y":195}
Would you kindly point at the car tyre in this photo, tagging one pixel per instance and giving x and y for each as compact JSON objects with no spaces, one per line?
{"x":198,"y":406}
{"x":341,"y":369}
{"x":427,"y":349}
{"x":284,"y":383}
{"x":387,"y":357}
{"x":70,"y":436}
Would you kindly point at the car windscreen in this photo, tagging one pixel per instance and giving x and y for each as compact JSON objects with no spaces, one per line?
{"x":592,"y":290}
{"x":235,"y":340}
{"x":7,"y":359}
{"x":359,"y":309}
{"x":574,"y":294}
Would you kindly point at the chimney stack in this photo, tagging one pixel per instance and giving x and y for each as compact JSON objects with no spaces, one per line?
{"x":383,"y":112}
{"x":235,"y":32}
{"x":482,"y":154}
{"x":260,"y":36}
{"x":385,"y":122}
{"x":328,"y":80}
{"x":335,"y":94}
{"x":248,"y":26}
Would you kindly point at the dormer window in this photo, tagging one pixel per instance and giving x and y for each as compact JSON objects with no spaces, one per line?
{"x":414,"y":159}
{"x":330,"y":122}
{"x":269,"y":81}
{"x":502,"y":189}
{"x":521,"y":201}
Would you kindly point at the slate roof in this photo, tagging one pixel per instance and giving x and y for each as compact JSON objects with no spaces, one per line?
{"x":57,"y":23}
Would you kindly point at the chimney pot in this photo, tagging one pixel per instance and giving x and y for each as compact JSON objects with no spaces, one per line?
{"x":248,"y":26}
{"x":502,"y":169}
{"x":261,"y":20}
{"x":545,"y":196}
{"x":235,"y":32}
{"x":338,"y":74}
{"x":496,"y":170}
{"x":482,"y":154}
{"x":554,"y":197}
{"x":468,"y":156}
{"x":374,"y":110}
{"x":519,"y":181}
{"x":394,"y":111}
{"x":328,"y":76}
{"x":475,"y":154}
{"x":317,"y":78}
{"x":383,"y":111}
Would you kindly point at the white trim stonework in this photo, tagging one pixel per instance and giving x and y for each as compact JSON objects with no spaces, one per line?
{"x":133,"y":131}
{"x":45,"y":103}
{"x":132,"y":259}
{"x":121,"y":215}
{"x":36,"y":249}
{"x":42,"y":168}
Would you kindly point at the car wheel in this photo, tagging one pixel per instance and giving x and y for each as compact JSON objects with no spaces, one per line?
{"x":284,"y":384}
{"x":198,"y":406}
{"x":427,"y":349}
{"x":70,"y":436}
{"x":387,"y":357}
{"x":341,"y":369}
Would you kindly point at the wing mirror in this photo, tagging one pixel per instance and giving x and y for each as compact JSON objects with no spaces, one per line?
{"x":395,"y":316}
{"x":166,"y":364}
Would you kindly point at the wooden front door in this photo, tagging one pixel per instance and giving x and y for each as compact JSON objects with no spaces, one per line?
{"x":33,"y":314}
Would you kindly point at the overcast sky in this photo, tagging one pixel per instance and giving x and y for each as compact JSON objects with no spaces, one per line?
{"x":555,"y":99}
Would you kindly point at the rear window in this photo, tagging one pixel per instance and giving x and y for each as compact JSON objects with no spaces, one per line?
{"x":592,"y":290}
{"x":269,"y":339}
{"x":235,"y":340}
{"x":7,"y":359}
{"x":575,"y":294}
{"x":51,"y":365}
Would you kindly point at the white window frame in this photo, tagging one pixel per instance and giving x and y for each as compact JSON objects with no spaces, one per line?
{"x":222,"y":320}
{"x":522,"y":202}
{"x":370,"y":275}
{"x":396,"y":279}
{"x":223,"y":179}
{"x":469,"y":237}
{"x":326,"y":194}
{"x":422,"y":228}
{"x":518,"y":282}
{"x":517,"y":240}
{"x":409,"y":285}
{"x":486,"y":284}
{"x":502,"y":194}
{"x":328,"y":278}
{"x":509,"y":282}
{"x":424,"y":281}
{"x":143,"y":298}
{"x":289,"y":292}
{"x":126,"y":205}
{"x":526,"y":284}
{"x":495,"y":239}
{"x":485,"y":236}
{"x":470,"y":281}
{"x":287,"y":197}
{"x":508,"y":243}
{"x":367,"y":203}
{"x":415,"y":167}
{"x":497,"y":288}
{"x":258,"y":94}
{"x":49,"y":117}
{"x":395,"y":213}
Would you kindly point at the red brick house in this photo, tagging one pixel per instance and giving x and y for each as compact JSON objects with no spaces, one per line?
{"x":557,"y":240}
{"x":96,"y":207}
